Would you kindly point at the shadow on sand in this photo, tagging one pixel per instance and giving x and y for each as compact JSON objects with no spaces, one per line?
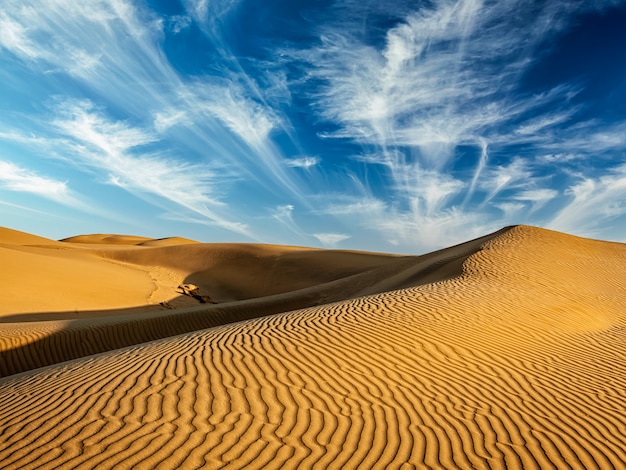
{"x":118,"y":329}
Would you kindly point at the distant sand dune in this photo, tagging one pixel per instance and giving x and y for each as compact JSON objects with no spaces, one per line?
{"x":514,"y":358}
{"x":107,"y":239}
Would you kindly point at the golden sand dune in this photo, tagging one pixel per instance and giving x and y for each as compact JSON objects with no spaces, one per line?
{"x":112,"y":239}
{"x":514,"y":358}
{"x":15,"y":237}
{"x":107,"y":239}
{"x":40,"y":275}
{"x":168,"y":241}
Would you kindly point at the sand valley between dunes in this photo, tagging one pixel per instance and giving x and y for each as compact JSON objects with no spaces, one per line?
{"x":508,"y":351}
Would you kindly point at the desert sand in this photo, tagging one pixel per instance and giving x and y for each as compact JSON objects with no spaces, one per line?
{"x":508,"y":351}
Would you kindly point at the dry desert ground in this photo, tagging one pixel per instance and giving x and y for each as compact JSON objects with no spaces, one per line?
{"x":508,"y":351}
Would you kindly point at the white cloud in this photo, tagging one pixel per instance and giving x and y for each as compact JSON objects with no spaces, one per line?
{"x":433,"y":85}
{"x":542,"y":123}
{"x":444,"y":78}
{"x":115,"y":147}
{"x":283,"y":212}
{"x":589,"y":138}
{"x":16,"y":178}
{"x":198,"y":9}
{"x":166,"y":119}
{"x":482,"y":162}
{"x":239,"y":128}
{"x":428,"y":191}
{"x":112,"y":48}
{"x":284,"y":215}
{"x":511,"y":175}
{"x":440,"y":80}
{"x":208,"y":13}
{"x":178,"y":23}
{"x":511,"y":210}
{"x":81,"y":120}
{"x":14,"y":38}
{"x":331,"y":240}
{"x":305,"y":162}
{"x":28,"y":209}
{"x":557,"y":158}
{"x":248,"y":120}
{"x":594,"y":202}
{"x":538,"y":197}
{"x":366,"y":208}
{"x":445,"y":228}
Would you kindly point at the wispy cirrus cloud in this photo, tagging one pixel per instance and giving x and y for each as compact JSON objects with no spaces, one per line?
{"x":304,"y":162}
{"x":16,"y":178}
{"x":207,"y":12}
{"x":233,"y":125}
{"x":593,"y":202}
{"x":164,"y":120}
{"x":178,"y":23}
{"x":428,"y":191}
{"x":115,"y":147}
{"x":537,"y":197}
{"x":113,"y":48}
{"x":354,"y":206}
{"x":331,"y":240}
{"x":284,"y":215}
{"x":445,"y":228}
{"x":444,"y":78}
{"x":14,"y":38}
{"x":587,"y":138}
{"x":439,"y":79}
{"x":514,"y":174}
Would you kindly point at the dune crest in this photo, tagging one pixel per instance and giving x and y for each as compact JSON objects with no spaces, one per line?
{"x":511,"y":357}
{"x":15,"y":237}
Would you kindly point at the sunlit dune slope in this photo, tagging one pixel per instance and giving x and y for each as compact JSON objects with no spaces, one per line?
{"x":15,"y":237}
{"x":519,"y":361}
{"x":41,"y":275}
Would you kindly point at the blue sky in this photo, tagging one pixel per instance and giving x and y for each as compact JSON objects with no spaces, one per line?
{"x":400,"y":127}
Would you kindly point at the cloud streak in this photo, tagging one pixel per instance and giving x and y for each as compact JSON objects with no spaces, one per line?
{"x":593,"y":202}
{"x":303,"y":162}
{"x":116,"y":148}
{"x":17,"y":178}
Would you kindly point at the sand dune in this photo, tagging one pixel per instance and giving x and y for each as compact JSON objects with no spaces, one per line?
{"x":112,"y":239}
{"x":246,"y":281}
{"x":505,"y":352}
{"x":107,"y":239}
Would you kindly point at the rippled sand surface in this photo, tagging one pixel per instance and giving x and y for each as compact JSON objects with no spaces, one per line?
{"x":505,"y":352}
